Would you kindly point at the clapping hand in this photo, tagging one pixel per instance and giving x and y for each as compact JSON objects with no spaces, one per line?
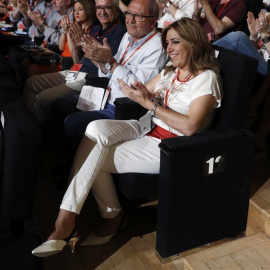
{"x":136,"y":92}
{"x":252,"y":25}
{"x":96,"y":51}
{"x":263,"y":23}
{"x":76,"y":33}
{"x":36,"y":17}
{"x":65,"y":24}
{"x":23,"y":6}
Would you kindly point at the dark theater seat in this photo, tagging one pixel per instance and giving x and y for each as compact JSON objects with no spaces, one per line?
{"x":203,"y":185}
{"x":20,"y":148}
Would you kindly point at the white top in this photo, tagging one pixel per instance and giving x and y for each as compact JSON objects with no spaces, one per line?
{"x":182,"y":94}
{"x":144,"y":65}
{"x":185,"y":9}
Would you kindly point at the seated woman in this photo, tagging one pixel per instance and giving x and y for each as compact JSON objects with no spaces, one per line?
{"x":188,"y":91}
{"x":84,"y":18}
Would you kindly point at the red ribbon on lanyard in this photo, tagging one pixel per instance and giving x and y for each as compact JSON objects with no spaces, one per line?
{"x":222,"y":9}
{"x":187,"y":78}
{"x":138,"y":48}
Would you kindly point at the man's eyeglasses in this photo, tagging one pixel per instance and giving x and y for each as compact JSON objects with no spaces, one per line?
{"x":106,"y":8}
{"x":137,"y":17}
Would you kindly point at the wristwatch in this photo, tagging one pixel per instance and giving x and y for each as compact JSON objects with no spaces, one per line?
{"x":266,"y":39}
{"x":168,"y":4}
{"x":153,"y":110}
{"x":109,"y":64}
{"x":42,"y":27}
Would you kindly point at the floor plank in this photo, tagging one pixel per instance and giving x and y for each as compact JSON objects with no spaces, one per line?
{"x":249,"y":258}
{"x":264,"y":250}
{"x":179,"y":264}
{"x":106,"y":265}
{"x":223,"y":263}
{"x":145,"y":247}
{"x":126,"y":258}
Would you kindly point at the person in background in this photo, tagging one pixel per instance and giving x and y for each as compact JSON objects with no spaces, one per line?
{"x":257,"y":45}
{"x":43,"y":9}
{"x":169,"y":11}
{"x":51,"y":30}
{"x":6,"y":7}
{"x":188,"y":91}
{"x":40,"y":91}
{"x":19,"y":14}
{"x":20,"y":20}
{"x":174,"y":10}
{"x":219,"y":17}
{"x":84,"y":19}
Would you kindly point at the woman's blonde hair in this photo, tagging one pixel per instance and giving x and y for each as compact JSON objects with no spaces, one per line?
{"x":202,"y":55}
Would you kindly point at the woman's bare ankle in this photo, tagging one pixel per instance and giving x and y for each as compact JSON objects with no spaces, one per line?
{"x":64,"y":225}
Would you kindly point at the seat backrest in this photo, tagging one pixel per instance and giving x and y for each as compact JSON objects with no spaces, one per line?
{"x":254,"y":6}
{"x":238,"y":73}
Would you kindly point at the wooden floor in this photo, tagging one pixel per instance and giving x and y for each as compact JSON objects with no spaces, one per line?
{"x":138,"y":253}
{"x":252,"y":252}
{"x":133,"y":248}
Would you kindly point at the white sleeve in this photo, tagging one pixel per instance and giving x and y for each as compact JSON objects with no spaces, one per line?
{"x":209,"y":83}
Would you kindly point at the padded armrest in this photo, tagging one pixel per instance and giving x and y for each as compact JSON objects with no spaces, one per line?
{"x":172,"y":146}
{"x":97,"y":81}
{"x":126,"y":104}
{"x":128,"y":109}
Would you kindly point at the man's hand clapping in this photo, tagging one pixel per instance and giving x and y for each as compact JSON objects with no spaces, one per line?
{"x":96,"y":51}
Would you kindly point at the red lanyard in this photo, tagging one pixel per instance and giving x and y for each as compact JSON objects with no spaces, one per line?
{"x":169,"y":89}
{"x":47,"y":14}
{"x":125,"y":52}
{"x":108,"y":30}
{"x":222,"y":9}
